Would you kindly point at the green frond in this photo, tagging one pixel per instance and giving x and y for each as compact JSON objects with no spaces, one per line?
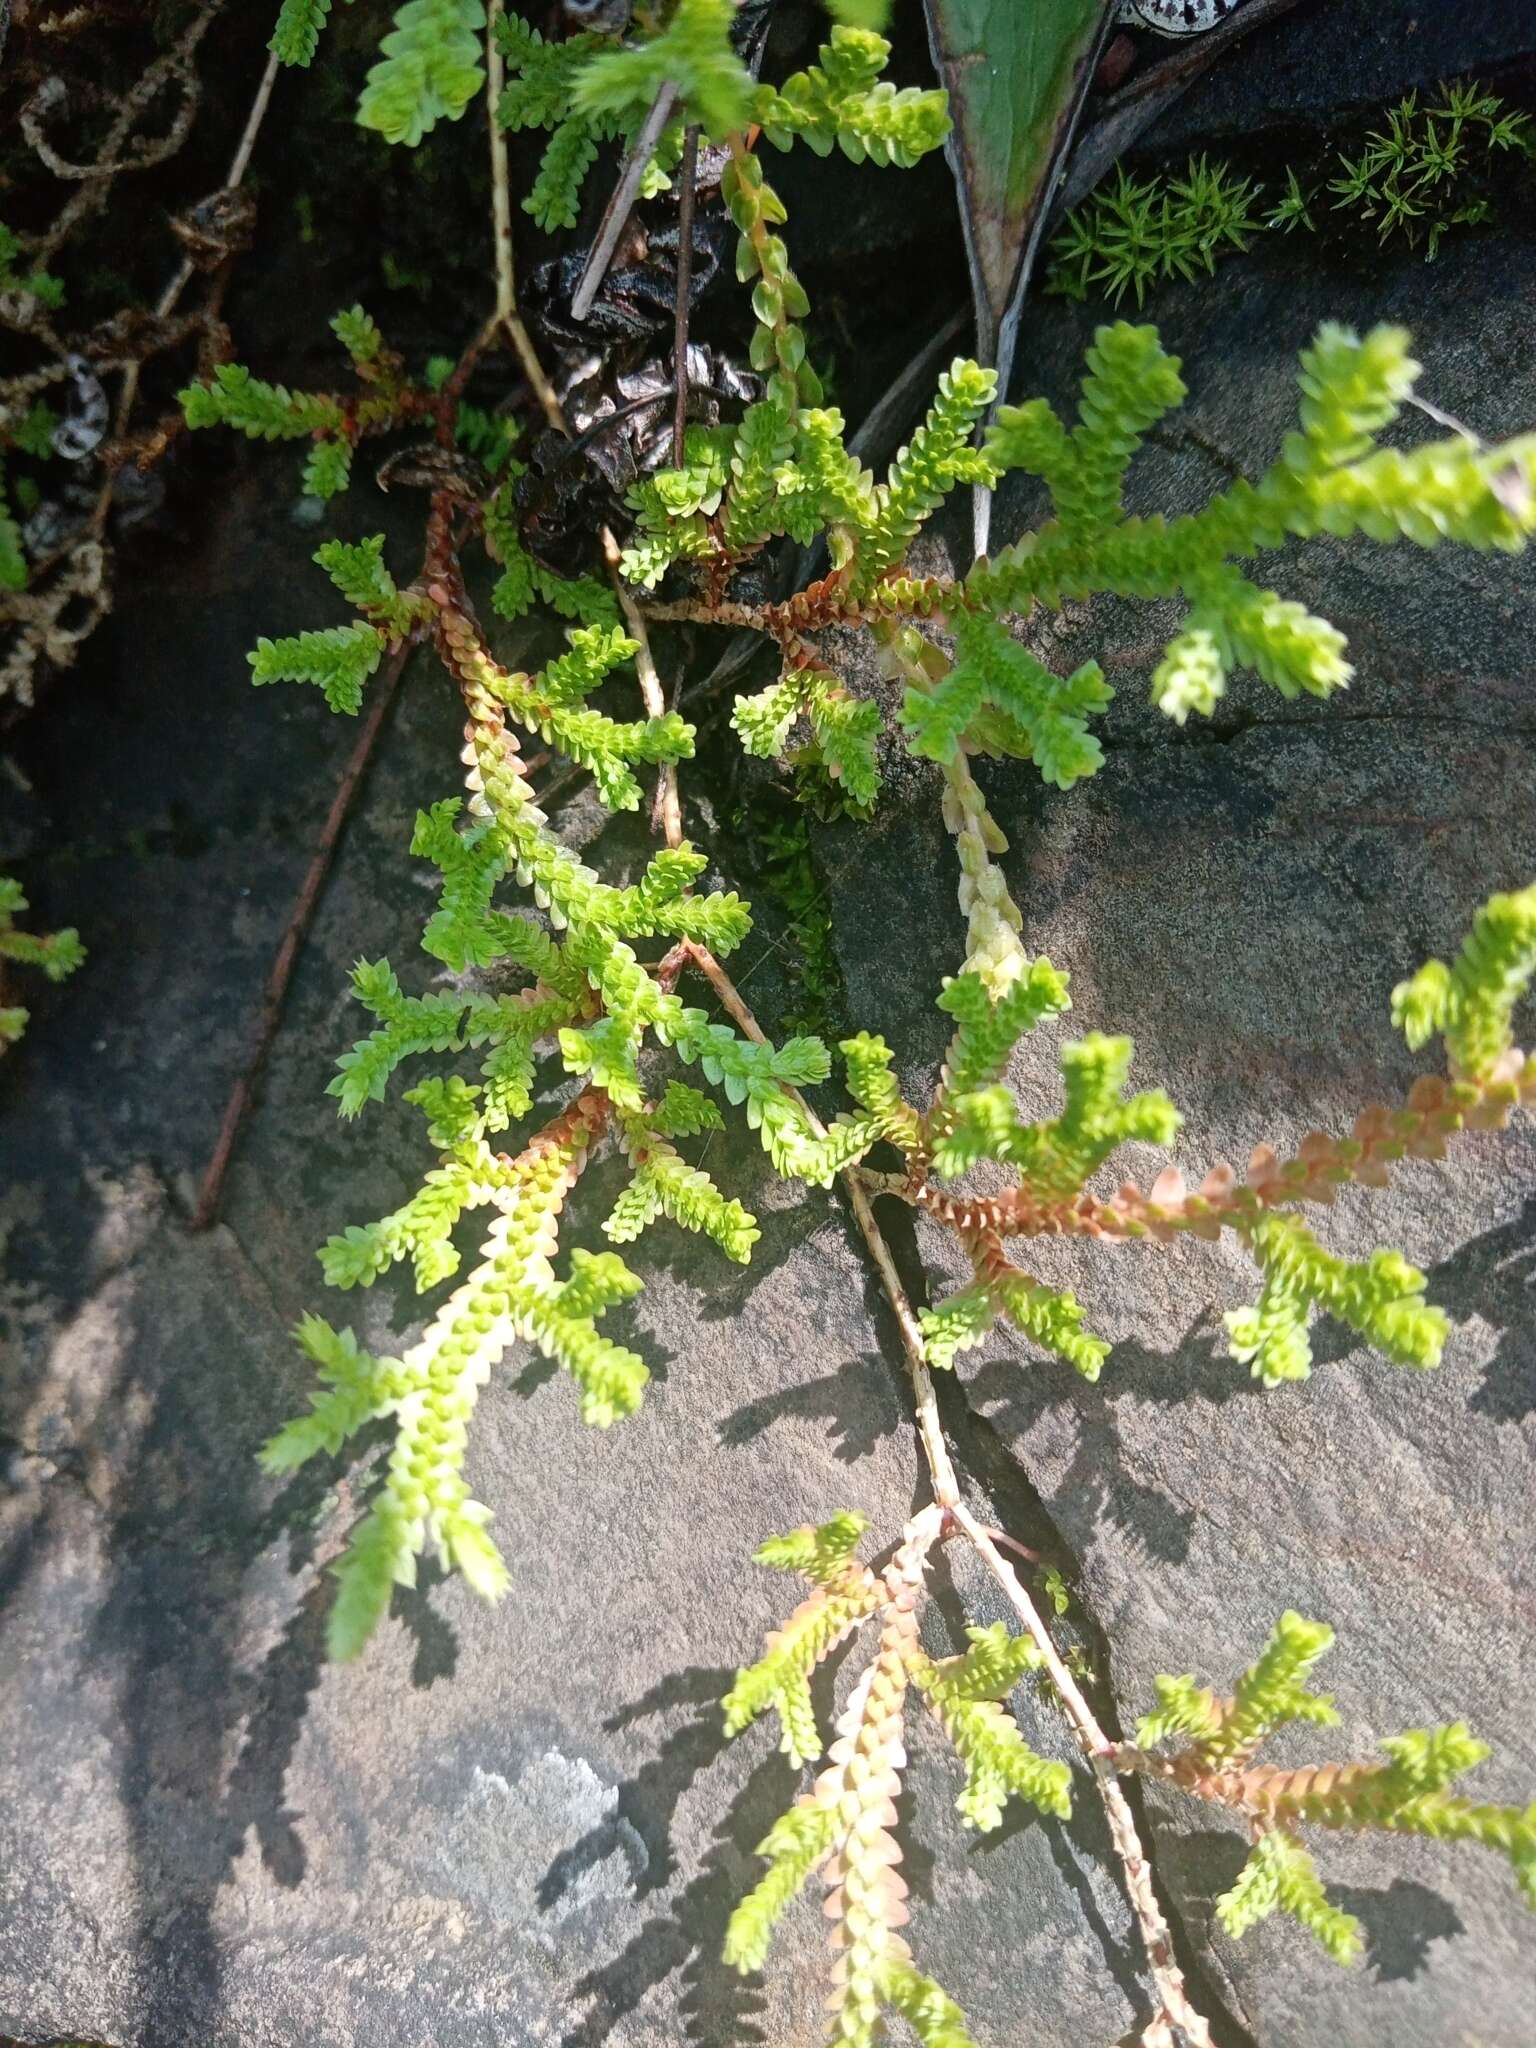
{"x":1044,"y":717}
{"x":1472,"y":1002}
{"x":1183,"y":1708}
{"x":999,"y":1762}
{"x":693,"y":53}
{"x":421,"y":1230}
{"x":264,"y":412}
{"x":764,"y":441}
{"x":988,"y":1029}
{"x":779,"y":303}
{"x":665,"y":1184}
{"x":554,"y":197}
{"x":451,"y":1107}
{"x":598,"y":1282}
{"x":611,"y":1379}
{"x":1131,"y":383}
{"x":407,"y":1025}
{"x":939,"y":456}
{"x":683,"y":1112}
{"x":1251,"y":628}
{"x":339,"y":660}
{"x":822,"y":1551}
{"x":58,"y":954}
{"x":845,"y":1591}
{"x":823,"y":486}
{"x":327,"y":469}
{"x":1351,"y":388}
{"x":380,"y":1556}
{"x":1057,"y":1156}
{"x":1381,"y":1298}
{"x":297,"y":33}
{"x":1192,"y":674}
{"x":607,"y":1053}
{"x":958,"y":1323}
{"x":763,"y":721}
{"x":1411,"y":1795}
{"x":592,"y":654}
{"x":1280,"y":1873}
{"x":990,"y":1668}
{"x":1429,"y":1759}
{"x":359,"y":572}
{"x":759,"y":1077}
{"x":1053,"y":1317}
{"x":842,"y":101}
{"x":844,"y":729}
{"x":359,"y":335}
{"x":795,"y":1845}
{"x":874,"y":1088}
{"x":359,"y":1389}
{"x":929,"y":2011}
{"x":1271,"y":1692}
{"x":428,"y":71}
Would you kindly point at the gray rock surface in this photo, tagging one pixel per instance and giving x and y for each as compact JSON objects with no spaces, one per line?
{"x":522,"y":1824}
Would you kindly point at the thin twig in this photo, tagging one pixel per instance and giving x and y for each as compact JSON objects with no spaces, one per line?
{"x":688,"y":173}
{"x":617,"y":211}
{"x":253,"y":121}
{"x":1167,"y":1977}
{"x":1013,"y":1543}
{"x":506,"y":313}
{"x":281,"y":972}
{"x":168,"y":300}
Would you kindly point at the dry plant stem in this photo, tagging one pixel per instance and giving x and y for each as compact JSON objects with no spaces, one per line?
{"x":946,"y":1488}
{"x":618,"y":208}
{"x":166,"y":304}
{"x":92,"y":190}
{"x":506,"y":314}
{"x":688,"y":173}
{"x":281,"y":972}
{"x":1101,"y":1753}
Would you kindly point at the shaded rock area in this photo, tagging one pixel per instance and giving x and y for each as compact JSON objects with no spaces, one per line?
{"x":522,"y":1824}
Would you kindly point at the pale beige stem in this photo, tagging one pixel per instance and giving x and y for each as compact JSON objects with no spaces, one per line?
{"x":253,"y":121}
{"x":1167,"y":1977}
{"x":506,"y":314}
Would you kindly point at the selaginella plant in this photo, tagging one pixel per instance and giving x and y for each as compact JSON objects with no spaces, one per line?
{"x":58,"y":954}
{"x":601,"y":962}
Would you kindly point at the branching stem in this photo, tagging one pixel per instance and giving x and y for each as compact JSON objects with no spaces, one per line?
{"x":1168,"y":1978}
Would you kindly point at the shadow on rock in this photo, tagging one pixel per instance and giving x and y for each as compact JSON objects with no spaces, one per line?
{"x":858,"y":1401}
{"x":1493,"y":1278}
{"x":1400,"y":1920}
{"x":189,"y":1519}
{"x":648,"y":1802}
{"x":716,"y":2004}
